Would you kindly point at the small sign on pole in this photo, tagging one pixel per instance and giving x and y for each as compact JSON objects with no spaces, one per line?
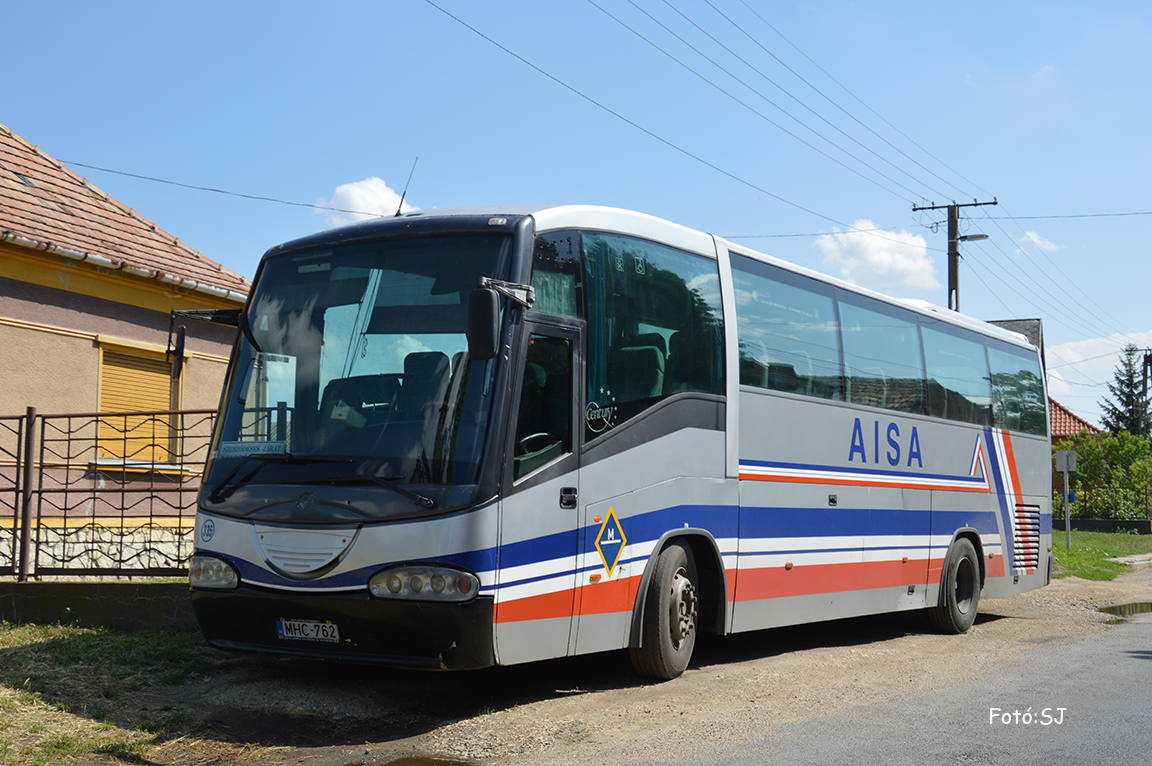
{"x":1066,"y":462}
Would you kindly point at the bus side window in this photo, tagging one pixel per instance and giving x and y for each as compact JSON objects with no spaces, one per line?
{"x":655,"y":326}
{"x":883,"y":362}
{"x":788,"y":331}
{"x":1018,"y":401}
{"x":959,"y":383}
{"x":543,"y":420}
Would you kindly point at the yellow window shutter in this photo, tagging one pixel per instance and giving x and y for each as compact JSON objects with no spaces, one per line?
{"x":130,"y":383}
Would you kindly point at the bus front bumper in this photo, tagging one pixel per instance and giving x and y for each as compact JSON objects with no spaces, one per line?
{"x":349,"y":628}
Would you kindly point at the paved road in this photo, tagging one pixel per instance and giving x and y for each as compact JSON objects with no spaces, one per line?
{"x":1103,"y":684}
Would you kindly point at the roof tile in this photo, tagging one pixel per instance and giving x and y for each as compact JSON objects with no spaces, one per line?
{"x":1067,"y":423}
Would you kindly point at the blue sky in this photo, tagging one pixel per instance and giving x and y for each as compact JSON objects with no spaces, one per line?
{"x":791,"y":127}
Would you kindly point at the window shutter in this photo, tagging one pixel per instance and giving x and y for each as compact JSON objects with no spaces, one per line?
{"x":130,"y":383}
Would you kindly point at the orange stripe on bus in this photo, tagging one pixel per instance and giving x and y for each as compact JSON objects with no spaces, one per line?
{"x":542,"y":607}
{"x":776,"y":582}
{"x":598,"y":598}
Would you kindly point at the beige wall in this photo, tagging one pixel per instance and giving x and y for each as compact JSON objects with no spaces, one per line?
{"x":52,"y":372}
{"x":201,"y":383}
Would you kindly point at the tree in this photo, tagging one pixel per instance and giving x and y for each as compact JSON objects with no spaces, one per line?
{"x":1130,"y":412}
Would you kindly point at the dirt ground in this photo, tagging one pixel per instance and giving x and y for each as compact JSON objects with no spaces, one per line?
{"x":581,"y":710}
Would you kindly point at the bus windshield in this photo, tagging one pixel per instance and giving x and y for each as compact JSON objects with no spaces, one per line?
{"x":353,"y":365}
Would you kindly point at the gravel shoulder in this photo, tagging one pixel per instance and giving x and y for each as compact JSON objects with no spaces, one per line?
{"x":595,"y":710}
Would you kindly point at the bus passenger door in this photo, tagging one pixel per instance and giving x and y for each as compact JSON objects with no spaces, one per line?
{"x":536,"y":574}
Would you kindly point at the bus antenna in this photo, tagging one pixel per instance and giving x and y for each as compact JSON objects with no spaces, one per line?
{"x":400,"y":207}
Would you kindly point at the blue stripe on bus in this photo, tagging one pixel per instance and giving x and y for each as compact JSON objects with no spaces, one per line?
{"x":768,"y":522}
{"x":722,"y":521}
{"x":1005,"y":512}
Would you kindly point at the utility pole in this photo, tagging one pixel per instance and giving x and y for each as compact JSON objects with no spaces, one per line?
{"x":1147,"y":370}
{"x":954,"y":240}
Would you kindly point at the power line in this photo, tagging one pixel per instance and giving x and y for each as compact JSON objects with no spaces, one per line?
{"x":824,"y":96}
{"x":783,"y":90}
{"x":1066,"y":280}
{"x":752,"y":109}
{"x":1057,"y":217}
{"x":824,"y":233}
{"x":641,"y":128}
{"x":1082,"y":361}
{"x":216,"y":191}
{"x":861,"y":102}
{"x":1020,"y":295}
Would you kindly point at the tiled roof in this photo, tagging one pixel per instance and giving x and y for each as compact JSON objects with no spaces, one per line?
{"x":46,"y":206}
{"x":1067,"y":423}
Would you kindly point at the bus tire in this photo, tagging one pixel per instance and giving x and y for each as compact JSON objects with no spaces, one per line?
{"x":668,"y":630}
{"x":959,"y":589}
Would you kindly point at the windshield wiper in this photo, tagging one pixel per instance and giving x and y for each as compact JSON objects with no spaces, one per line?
{"x":383,"y":481}
{"x":227,"y":486}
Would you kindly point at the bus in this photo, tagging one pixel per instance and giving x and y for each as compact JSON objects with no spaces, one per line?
{"x":474,"y":437}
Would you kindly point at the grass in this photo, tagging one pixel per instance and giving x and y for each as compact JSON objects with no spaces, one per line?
{"x":67,"y":692}
{"x":1087,"y":558}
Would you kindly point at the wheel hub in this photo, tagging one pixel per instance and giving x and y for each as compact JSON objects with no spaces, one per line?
{"x":683,"y":607}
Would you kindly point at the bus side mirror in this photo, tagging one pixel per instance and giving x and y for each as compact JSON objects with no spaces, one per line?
{"x":483,"y":323}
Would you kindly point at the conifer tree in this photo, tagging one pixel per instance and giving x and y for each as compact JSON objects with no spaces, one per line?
{"x":1127,"y":408}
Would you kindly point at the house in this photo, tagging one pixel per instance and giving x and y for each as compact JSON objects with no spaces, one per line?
{"x":1066,"y":423}
{"x":86,"y":287}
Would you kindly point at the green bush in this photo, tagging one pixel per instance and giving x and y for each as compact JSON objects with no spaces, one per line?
{"x":1113,"y":477}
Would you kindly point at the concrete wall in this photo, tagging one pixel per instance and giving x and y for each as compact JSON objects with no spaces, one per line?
{"x":120,"y":605}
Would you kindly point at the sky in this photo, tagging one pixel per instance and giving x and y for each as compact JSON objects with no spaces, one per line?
{"x":806,"y":130}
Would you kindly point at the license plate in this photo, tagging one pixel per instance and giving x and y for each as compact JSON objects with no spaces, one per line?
{"x":307,"y":630}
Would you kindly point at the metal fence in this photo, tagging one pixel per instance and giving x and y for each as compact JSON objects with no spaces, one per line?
{"x":100,"y":493}
{"x":1109,"y":503}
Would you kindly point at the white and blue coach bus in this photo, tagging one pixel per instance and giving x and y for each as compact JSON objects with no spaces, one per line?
{"x":484,"y":437}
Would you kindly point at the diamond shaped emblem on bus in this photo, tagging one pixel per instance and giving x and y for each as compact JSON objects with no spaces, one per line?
{"x":611,"y":541}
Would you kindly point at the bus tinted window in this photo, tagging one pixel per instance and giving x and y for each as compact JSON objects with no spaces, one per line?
{"x":959,"y":385}
{"x":883,"y":366}
{"x":789,"y":340}
{"x":555,"y":273}
{"x":1017,"y":389}
{"x":655,"y":326}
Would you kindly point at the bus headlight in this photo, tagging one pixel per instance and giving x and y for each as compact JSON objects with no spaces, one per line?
{"x":424,"y":583}
{"x":212,"y":573}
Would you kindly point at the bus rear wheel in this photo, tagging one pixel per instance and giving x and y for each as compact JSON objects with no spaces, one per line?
{"x":959,"y":589}
{"x":668,"y":631}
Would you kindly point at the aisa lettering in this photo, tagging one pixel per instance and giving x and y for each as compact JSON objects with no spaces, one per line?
{"x":894,"y":446}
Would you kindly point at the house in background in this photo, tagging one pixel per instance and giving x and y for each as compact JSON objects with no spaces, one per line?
{"x":86,"y":287}
{"x":1066,"y":423}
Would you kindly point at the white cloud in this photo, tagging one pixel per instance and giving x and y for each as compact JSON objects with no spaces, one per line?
{"x":362,"y":200}
{"x":1031,"y":237}
{"x":879,"y":258}
{"x":1046,"y":71}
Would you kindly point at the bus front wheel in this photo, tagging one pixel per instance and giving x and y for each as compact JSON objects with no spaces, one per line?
{"x":959,"y":589}
{"x":668,"y":630}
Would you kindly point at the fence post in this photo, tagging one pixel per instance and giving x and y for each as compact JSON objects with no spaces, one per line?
{"x":26,"y":499}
